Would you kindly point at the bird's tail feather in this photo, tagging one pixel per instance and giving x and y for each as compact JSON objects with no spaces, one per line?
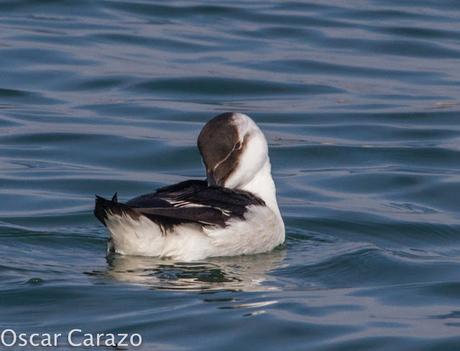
{"x":103,"y":208}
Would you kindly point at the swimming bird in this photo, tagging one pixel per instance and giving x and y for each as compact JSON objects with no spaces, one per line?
{"x":233,"y":212}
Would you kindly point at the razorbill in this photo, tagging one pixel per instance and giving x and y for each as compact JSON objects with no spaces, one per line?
{"x":233,"y":212}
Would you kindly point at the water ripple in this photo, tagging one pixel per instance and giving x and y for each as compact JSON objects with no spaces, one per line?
{"x":360,"y":104}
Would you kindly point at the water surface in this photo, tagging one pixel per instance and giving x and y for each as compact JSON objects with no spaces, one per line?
{"x":360,"y":104}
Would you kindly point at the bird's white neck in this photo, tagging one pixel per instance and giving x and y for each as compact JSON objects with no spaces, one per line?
{"x":263,"y":186}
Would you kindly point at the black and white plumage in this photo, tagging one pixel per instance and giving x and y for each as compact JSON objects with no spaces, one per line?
{"x":233,"y":212}
{"x":191,"y":201}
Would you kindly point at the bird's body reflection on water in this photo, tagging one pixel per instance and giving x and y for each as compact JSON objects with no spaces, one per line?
{"x":240,"y":273}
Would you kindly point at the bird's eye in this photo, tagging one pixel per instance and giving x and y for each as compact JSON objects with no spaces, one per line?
{"x":238,"y":145}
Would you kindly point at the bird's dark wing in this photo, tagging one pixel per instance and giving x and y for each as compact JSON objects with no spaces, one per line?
{"x":192,"y":201}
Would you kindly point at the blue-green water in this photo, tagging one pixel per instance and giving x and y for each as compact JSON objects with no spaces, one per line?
{"x":360,"y":103}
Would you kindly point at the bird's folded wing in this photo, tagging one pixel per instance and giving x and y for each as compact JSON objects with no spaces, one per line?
{"x":177,"y":215}
{"x":192,"y":201}
{"x":195,"y":201}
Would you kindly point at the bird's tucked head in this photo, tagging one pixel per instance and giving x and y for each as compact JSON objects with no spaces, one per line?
{"x":233,"y":149}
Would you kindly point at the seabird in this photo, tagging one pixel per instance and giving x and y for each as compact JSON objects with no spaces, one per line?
{"x":233,"y":212}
